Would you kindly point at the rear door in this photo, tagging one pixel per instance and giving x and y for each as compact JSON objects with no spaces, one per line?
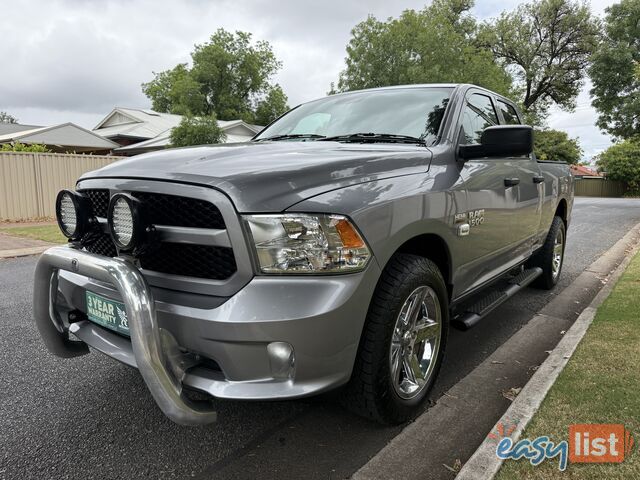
{"x":529,"y":190}
{"x":492,"y":200}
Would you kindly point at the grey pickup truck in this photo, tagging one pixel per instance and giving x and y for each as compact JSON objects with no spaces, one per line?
{"x":335,"y":249}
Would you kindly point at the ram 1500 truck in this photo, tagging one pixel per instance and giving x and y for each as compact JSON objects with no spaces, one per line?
{"x":335,"y":249}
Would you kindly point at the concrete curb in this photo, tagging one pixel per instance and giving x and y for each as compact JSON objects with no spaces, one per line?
{"x":484,"y":463}
{"x":24,"y":252}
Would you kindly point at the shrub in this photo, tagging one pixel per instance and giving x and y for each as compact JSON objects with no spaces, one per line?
{"x":622,"y":162}
{"x":556,"y":145}
{"x":23,"y":147}
{"x":197,"y":131}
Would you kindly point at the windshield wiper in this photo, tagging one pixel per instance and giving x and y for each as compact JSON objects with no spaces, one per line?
{"x":374,"y":137}
{"x":351,"y":137}
{"x":290,"y":136}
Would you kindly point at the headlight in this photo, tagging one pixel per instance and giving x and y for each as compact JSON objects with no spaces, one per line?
{"x":303,"y":243}
{"x":125,"y":224}
{"x":73,"y":213}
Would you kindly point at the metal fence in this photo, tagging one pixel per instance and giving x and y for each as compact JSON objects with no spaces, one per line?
{"x":599,"y":187}
{"x":29,"y":182}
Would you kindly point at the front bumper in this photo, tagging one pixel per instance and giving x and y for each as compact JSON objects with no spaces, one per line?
{"x":321,"y":318}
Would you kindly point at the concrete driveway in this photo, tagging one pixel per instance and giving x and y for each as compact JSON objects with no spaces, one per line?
{"x":91,"y":417}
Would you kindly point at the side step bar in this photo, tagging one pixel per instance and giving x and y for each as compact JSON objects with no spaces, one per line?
{"x":477,"y":311}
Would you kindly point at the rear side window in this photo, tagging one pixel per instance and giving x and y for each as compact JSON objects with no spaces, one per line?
{"x":478,"y":114}
{"x":508,"y":113}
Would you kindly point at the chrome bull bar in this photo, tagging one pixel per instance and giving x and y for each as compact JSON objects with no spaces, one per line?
{"x":159,"y":370}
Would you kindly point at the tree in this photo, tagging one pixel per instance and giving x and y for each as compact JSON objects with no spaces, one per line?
{"x":175,"y":91}
{"x":621,"y":161}
{"x":546,"y":45}
{"x":435,"y":44}
{"x":6,"y":118}
{"x":197,"y":131}
{"x":615,"y":71}
{"x":556,"y":145}
{"x":272,"y":106}
{"x":230,"y":77}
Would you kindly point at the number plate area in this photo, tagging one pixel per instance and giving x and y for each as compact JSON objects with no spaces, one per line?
{"x":107,"y":313}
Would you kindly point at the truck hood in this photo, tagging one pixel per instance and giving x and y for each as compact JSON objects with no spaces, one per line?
{"x":272,"y":176}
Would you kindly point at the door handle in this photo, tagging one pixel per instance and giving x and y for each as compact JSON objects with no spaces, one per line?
{"x":511,"y":182}
{"x":538,"y":179}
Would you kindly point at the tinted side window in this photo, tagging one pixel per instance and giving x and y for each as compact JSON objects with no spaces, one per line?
{"x":508,"y":113}
{"x":477,"y":115}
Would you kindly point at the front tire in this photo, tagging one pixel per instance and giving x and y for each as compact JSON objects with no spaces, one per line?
{"x":551,"y":256}
{"x":403,"y":341}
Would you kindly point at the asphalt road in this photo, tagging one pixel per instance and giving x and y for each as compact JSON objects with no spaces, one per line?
{"x":92,"y":417}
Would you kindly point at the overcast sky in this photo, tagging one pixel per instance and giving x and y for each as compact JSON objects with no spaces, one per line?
{"x":75,"y":60}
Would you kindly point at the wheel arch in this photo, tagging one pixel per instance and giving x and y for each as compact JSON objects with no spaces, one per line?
{"x":433,"y":247}
{"x":562,"y":210}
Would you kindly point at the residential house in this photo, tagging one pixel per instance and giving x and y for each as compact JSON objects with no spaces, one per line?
{"x":139,"y":131}
{"x":582,"y":171}
{"x":63,"y":138}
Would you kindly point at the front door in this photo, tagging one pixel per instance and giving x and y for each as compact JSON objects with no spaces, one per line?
{"x":491,"y":199}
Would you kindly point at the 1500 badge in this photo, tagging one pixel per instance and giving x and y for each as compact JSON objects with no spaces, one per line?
{"x":476,"y":217}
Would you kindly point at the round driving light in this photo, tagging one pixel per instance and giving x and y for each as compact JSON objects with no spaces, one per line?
{"x":73,"y":213}
{"x":124,"y":221}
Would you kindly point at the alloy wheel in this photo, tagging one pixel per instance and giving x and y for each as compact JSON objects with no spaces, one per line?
{"x":558,"y":252}
{"x":415,"y":343}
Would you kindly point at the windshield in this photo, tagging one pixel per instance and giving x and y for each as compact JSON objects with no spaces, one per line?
{"x":412,"y":112}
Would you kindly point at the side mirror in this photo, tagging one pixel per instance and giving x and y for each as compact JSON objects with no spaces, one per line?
{"x":500,"y":141}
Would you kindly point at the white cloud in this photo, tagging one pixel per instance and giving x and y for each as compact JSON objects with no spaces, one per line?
{"x":74,"y":60}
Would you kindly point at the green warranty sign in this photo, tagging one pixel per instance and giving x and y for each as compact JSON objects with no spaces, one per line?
{"x":107,"y":313}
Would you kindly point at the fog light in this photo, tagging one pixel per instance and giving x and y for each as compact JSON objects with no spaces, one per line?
{"x":125,"y":222}
{"x":73,"y":213}
{"x":281,"y":360}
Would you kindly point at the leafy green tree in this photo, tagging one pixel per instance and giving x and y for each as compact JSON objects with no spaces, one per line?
{"x":175,"y":91}
{"x":272,"y":106}
{"x":197,"y":131}
{"x":435,"y":44}
{"x":621,"y":161}
{"x":230,"y":77}
{"x":7,"y":118}
{"x":615,"y":71}
{"x":556,"y":145}
{"x":546,"y":45}
{"x":23,"y":147}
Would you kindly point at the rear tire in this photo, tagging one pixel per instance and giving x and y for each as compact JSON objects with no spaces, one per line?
{"x":551,"y":256}
{"x":403,"y":342}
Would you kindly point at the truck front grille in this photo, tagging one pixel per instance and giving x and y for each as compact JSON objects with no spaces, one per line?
{"x":180,"y":211}
{"x":185,"y":259}
{"x":99,"y":201}
{"x":201,"y":261}
{"x":103,"y":245}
